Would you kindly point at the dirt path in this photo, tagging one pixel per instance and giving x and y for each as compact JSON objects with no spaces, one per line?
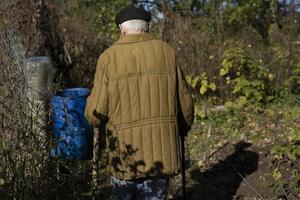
{"x":237,"y":171}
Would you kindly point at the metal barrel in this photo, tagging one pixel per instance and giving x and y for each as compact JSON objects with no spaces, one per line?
{"x":39,"y":76}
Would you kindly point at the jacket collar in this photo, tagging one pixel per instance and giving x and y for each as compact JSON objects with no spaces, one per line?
{"x":131,"y":38}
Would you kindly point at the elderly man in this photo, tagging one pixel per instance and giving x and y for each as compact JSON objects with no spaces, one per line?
{"x":141,"y":95}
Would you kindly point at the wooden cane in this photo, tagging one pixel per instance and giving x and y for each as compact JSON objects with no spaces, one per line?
{"x":183,"y":168}
{"x":95,"y":164}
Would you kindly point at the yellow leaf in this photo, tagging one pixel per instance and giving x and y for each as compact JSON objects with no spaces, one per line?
{"x":271,"y":77}
{"x":276,"y":174}
{"x":203,"y":89}
{"x":223,"y":72}
{"x":213,"y":86}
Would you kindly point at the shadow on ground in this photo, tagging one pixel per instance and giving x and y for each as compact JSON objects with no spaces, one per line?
{"x":222,"y":180}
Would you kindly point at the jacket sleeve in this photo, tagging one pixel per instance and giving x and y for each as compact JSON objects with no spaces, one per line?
{"x":185,"y":103}
{"x":96,"y":110}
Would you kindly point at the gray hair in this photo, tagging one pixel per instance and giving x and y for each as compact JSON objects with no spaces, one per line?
{"x":135,"y":25}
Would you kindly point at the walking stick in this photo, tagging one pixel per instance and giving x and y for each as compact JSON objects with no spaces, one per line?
{"x":95,"y":164}
{"x":183,"y":167}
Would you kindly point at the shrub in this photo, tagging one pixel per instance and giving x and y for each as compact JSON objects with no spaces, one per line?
{"x":203,"y":91}
{"x":247,"y":80}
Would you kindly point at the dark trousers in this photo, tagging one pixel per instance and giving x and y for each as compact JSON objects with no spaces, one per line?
{"x":141,"y":189}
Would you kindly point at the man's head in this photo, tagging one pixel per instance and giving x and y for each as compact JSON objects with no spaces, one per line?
{"x":132,"y":20}
{"x":134,"y":26}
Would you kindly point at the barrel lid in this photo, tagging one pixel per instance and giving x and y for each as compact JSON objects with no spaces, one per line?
{"x":71,"y":93}
{"x":39,"y":59}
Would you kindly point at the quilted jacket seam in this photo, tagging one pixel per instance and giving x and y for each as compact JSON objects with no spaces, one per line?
{"x":129,"y":98}
{"x":161,"y":144}
{"x":152,"y":143}
{"x":170,"y":143}
{"x":139,"y":75}
{"x":143,"y":122}
{"x":142,"y":139}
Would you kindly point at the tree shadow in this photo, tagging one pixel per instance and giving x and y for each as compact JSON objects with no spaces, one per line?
{"x":222,"y":180}
{"x":124,"y":157}
{"x":121,"y":156}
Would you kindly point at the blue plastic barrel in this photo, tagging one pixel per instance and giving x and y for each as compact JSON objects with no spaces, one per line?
{"x":74,"y":136}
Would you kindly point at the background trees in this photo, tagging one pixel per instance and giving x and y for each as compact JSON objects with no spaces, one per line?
{"x":75,"y":32}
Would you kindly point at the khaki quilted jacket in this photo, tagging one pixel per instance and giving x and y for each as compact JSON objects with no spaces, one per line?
{"x":142,"y":95}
